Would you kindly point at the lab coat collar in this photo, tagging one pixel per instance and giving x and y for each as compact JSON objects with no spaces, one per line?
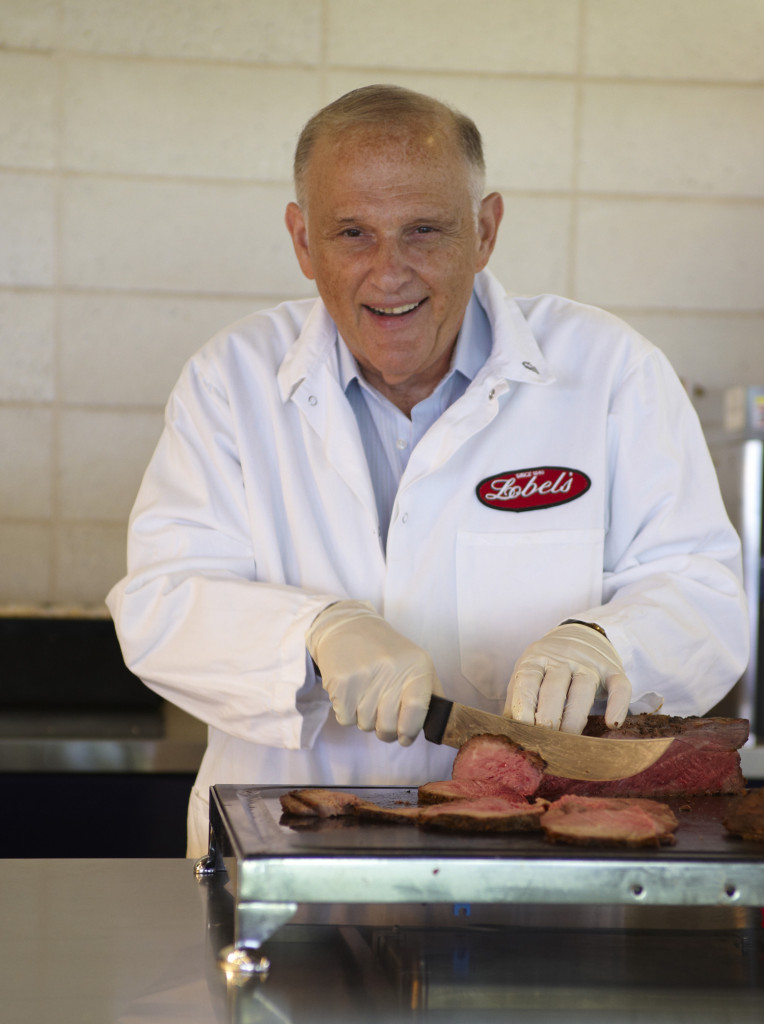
{"x":313,"y":348}
{"x":515,"y":355}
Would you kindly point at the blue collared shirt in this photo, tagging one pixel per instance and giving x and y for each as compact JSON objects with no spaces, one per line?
{"x":388,"y":435}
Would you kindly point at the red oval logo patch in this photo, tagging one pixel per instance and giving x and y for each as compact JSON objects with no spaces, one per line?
{"x":520,"y":490}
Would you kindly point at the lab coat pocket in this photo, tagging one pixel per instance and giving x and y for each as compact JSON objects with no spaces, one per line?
{"x":513,"y":587}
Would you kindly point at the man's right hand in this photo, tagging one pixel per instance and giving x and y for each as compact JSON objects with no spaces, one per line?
{"x":374,"y":676}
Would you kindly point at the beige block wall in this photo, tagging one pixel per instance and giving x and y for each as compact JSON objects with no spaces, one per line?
{"x":145,"y":150}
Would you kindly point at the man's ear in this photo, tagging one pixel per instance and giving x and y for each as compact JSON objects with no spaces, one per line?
{"x":298,"y":229}
{"x":489,"y":218}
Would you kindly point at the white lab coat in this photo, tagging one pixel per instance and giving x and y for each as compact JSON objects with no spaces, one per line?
{"x":257,"y":510}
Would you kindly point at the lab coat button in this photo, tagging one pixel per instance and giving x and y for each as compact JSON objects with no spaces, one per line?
{"x":405,"y":517}
{"x":312,"y":400}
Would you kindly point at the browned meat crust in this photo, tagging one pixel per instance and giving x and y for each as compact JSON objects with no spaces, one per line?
{"x":397,"y":815}
{"x":707,"y":733}
{"x":320,"y":803}
{"x":609,"y":821}
{"x":745,"y":817}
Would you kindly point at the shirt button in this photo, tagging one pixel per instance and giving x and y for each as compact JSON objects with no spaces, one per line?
{"x":400,"y":444}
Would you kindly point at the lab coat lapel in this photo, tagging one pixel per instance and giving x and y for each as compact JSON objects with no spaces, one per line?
{"x":308,"y":378}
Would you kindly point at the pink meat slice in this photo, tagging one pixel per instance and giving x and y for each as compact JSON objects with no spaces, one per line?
{"x":497,"y":761}
{"x":483,"y":814}
{"x":602,"y":821}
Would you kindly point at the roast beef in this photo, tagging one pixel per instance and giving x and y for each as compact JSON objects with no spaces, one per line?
{"x":398,"y":814}
{"x":483,"y":814}
{"x":465,"y":789}
{"x":497,"y":760}
{"x":571,"y":819}
{"x":484,"y":766}
{"x":609,"y":821}
{"x":318,"y":803}
{"x":708,"y":733}
{"x":745,"y":816}
{"x":703,"y":760}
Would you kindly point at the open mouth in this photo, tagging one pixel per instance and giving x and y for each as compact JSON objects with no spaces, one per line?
{"x":388,"y":311}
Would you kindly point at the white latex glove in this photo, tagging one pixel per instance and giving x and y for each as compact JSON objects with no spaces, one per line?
{"x":374,"y":676}
{"x":557,"y":679}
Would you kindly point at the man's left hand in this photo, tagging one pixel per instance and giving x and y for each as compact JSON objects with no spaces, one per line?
{"x":557,"y":679}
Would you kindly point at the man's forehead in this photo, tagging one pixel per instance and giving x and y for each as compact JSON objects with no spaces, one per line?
{"x":361,"y":171}
{"x":393,"y":199}
{"x":411,"y":210}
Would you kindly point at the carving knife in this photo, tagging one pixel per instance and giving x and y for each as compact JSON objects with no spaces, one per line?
{"x":597,"y":759}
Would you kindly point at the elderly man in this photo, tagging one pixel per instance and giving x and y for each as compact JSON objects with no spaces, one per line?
{"x":419,"y":484}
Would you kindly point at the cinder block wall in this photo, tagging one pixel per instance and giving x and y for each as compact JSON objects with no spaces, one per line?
{"x":145,"y":153}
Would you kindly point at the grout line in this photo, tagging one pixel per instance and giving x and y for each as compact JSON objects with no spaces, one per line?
{"x":323,"y":64}
{"x":279,"y":184}
{"x":56,"y":454}
{"x":572,"y":275}
{"x":256,"y":300}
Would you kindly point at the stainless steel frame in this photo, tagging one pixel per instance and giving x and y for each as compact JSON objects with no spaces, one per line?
{"x":275,"y":866}
{"x":733,"y":422}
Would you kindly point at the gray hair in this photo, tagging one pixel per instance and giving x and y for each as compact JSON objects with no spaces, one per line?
{"x":390,"y":105}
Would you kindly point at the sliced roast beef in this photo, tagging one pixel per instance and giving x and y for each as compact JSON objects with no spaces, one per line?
{"x":496,"y":760}
{"x":745,"y":816}
{"x":318,"y":803}
{"x":397,"y":814}
{"x":609,"y":821}
{"x":465,"y":789}
{"x":483,"y":814}
{"x":703,"y":760}
{"x":484,"y":766}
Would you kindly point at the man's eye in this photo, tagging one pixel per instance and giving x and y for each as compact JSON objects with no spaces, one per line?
{"x":351,"y":233}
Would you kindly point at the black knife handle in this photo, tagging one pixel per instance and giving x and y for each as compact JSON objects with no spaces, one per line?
{"x":437,"y":718}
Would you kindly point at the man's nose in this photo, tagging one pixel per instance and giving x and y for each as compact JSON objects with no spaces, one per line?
{"x":389,"y":266}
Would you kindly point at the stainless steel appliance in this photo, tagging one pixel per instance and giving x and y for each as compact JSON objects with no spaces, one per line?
{"x":276,"y":862}
{"x":733,"y":422}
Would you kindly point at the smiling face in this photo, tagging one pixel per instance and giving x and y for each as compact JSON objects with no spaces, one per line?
{"x":393,"y":241}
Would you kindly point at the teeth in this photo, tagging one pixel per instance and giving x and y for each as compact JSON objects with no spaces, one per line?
{"x":394,"y":310}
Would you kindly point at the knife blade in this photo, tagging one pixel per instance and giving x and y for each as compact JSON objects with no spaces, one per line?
{"x":595,"y":758}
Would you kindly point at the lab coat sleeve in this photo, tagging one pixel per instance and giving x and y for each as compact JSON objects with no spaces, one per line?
{"x":194,"y":622}
{"x":673,"y":602}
